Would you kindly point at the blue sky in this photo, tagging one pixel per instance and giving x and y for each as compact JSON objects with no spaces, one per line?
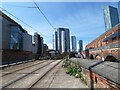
{"x":84,"y":19}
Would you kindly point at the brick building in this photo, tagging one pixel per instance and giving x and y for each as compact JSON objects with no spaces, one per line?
{"x":106,"y":46}
{"x":98,"y":74}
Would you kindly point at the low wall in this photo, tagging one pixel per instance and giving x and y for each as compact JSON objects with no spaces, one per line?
{"x":10,"y":56}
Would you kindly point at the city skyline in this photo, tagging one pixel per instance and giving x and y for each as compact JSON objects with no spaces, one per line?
{"x":61,"y":15}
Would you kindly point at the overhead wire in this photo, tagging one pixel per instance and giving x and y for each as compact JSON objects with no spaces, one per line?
{"x":45,"y":18}
{"x":43,"y":15}
{"x":24,"y":22}
{"x":20,"y":6}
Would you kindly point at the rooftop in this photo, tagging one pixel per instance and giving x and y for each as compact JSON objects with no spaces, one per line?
{"x":105,"y":69}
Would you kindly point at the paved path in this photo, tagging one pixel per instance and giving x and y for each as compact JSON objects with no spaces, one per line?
{"x":63,"y":80}
{"x":58,"y":78}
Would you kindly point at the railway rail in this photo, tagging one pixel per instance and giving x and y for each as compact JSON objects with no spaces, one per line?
{"x":11,"y":77}
{"x":29,"y":79}
{"x":47,"y":80}
{"x":48,"y":77}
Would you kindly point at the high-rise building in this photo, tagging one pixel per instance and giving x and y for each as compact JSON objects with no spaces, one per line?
{"x":119,"y":10}
{"x":56,"y":41}
{"x":80,"y":45}
{"x":73,"y":40}
{"x":38,"y":43}
{"x":62,"y":40}
{"x":41,"y":46}
{"x":111,"y":17}
{"x":45,"y":48}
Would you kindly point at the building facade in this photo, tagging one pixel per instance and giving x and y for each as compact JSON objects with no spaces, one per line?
{"x":16,"y":44}
{"x":62,"y":40}
{"x":39,"y":44}
{"x":73,"y":41}
{"x":111,"y":17}
{"x":27,"y":43}
{"x":107,"y":46}
{"x":80,"y":45}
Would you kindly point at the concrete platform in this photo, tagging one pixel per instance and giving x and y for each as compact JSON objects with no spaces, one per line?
{"x":63,"y":80}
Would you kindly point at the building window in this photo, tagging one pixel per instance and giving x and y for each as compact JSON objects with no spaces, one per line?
{"x":114,"y":38}
{"x":106,"y":42}
{"x":95,"y":79}
{"x":16,"y":39}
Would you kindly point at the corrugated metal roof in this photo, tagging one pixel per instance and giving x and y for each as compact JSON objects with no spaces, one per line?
{"x":105,"y":69}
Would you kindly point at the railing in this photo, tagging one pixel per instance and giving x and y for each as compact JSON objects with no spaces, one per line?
{"x":109,"y":46}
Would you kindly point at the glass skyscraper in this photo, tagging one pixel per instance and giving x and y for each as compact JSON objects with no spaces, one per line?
{"x":119,"y":10}
{"x":73,"y":40}
{"x":111,"y":17}
{"x":80,"y":45}
{"x":62,"y":40}
{"x":56,"y":41}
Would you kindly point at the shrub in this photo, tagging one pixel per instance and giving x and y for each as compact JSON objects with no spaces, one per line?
{"x":66,"y":62}
{"x":74,"y":71}
{"x":78,"y":74}
{"x":83,"y":78}
{"x":69,"y":70}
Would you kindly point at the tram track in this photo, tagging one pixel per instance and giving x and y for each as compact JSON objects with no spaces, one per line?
{"x":44,"y":76}
{"x":47,"y":79}
{"x":25,"y":75}
{"x":28,"y":81}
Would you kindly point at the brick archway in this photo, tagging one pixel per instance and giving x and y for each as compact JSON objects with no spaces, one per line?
{"x":111,"y":58}
{"x":98,"y":57}
{"x":91,"y":57}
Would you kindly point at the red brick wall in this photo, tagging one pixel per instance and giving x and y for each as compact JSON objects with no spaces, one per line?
{"x":100,"y":82}
{"x":104,"y":53}
{"x":103,"y":36}
{"x":98,"y":42}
